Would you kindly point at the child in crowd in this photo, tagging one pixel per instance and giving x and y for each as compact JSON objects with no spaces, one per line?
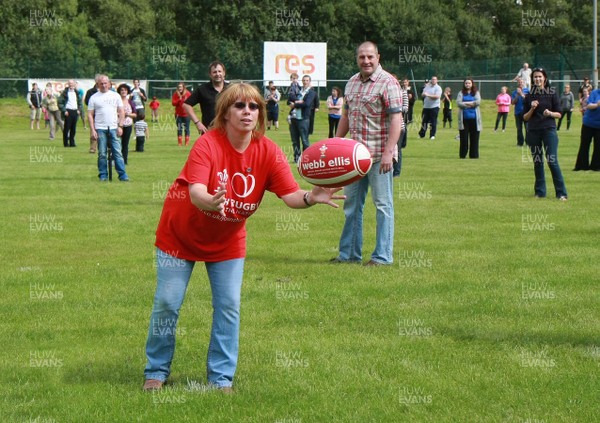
{"x":293,"y":94}
{"x":585,"y":94}
{"x":141,"y":131}
{"x":447,"y":100}
{"x":154,"y":105}
{"x":503,"y":100}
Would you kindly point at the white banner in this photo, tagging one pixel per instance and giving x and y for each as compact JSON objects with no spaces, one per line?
{"x":281,"y":59}
{"x":85,"y":84}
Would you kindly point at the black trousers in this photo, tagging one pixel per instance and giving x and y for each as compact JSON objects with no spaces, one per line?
{"x":583,"y":156}
{"x":469,"y":139}
{"x":70,"y":128}
{"x":564,"y":112}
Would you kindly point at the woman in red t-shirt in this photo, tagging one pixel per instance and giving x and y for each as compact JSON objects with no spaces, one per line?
{"x":222,"y":184}
{"x":181,"y":117}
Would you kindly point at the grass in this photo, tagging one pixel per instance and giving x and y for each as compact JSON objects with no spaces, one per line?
{"x":488,"y":315}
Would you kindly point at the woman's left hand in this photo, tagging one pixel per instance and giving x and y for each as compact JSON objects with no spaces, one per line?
{"x":325,"y":196}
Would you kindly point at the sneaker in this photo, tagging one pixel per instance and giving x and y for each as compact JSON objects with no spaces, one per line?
{"x":432,"y":138}
{"x":563,"y":198}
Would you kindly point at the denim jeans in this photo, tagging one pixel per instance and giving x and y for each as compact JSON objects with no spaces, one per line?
{"x":115,"y":143}
{"x":299,"y":130}
{"x":519,"y":122}
{"x":382,"y":193}
{"x":540,"y":141}
{"x":183,"y":122}
{"x":173,"y":275}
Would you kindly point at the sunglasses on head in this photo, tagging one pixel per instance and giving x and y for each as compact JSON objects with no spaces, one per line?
{"x":241,"y":105}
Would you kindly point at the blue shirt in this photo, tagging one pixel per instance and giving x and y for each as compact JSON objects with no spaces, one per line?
{"x":519,"y":103}
{"x":591,"y":117}
{"x":469,"y":112}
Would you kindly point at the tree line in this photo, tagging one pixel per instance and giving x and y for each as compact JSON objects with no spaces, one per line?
{"x":174,"y":39}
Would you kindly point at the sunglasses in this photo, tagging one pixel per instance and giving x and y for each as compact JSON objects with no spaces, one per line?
{"x":241,"y":105}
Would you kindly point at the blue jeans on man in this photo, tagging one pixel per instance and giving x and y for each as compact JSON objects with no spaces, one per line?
{"x":540,"y":141}
{"x":299,"y":131}
{"x":104,"y":136}
{"x":173,"y":275}
{"x":382,"y":193}
{"x":520,"y":124}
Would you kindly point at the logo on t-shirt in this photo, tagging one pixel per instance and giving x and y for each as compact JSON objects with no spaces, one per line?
{"x":242,"y":185}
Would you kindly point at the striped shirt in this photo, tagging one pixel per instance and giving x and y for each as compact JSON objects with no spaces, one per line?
{"x":140,"y":128}
{"x":369,"y":104}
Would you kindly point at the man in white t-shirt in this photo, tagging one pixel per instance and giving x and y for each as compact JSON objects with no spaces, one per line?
{"x":431,"y":94}
{"x":106,"y":115}
{"x":525,"y":75}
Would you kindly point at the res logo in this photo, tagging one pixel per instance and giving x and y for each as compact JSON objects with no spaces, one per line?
{"x":293,"y":63}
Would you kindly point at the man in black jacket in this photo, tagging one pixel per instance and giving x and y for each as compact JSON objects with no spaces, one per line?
{"x":71,"y":106}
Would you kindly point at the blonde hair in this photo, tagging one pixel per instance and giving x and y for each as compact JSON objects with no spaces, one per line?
{"x":240,"y":91}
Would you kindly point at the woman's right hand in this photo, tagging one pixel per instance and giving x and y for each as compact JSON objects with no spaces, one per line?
{"x":219,"y":199}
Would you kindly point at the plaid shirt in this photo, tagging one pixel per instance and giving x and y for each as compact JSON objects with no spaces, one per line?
{"x":369,"y":105}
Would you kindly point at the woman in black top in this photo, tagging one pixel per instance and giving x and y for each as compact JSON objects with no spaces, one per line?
{"x":541,"y":107}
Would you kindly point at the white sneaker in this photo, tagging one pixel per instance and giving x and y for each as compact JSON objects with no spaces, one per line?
{"x":432,"y":138}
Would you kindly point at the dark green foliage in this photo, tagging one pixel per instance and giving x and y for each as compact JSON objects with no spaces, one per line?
{"x":121,"y":37}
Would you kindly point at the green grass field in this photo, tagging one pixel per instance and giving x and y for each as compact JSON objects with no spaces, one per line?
{"x":490,"y":313}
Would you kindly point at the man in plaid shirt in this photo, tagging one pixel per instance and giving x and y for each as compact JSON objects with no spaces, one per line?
{"x":372,"y":115}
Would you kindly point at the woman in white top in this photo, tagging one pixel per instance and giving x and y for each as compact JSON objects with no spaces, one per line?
{"x":334,"y":106}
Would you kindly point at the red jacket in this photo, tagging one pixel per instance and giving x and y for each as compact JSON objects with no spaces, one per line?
{"x":178,"y":101}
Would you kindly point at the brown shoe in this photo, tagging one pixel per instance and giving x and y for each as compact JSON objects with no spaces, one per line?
{"x":152,"y":385}
{"x":227,"y":390}
{"x":373,"y":263}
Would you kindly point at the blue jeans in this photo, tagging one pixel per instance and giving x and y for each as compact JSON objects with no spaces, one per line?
{"x":383,"y":197}
{"x":520,"y":123}
{"x":299,"y":130}
{"x":540,"y":140}
{"x":173,"y":275}
{"x":115,"y":143}
{"x":183,"y":123}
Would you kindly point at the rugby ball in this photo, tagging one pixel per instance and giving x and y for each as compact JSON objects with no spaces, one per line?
{"x":334,"y":162}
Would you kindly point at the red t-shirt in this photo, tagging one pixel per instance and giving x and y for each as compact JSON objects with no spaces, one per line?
{"x":186,"y":232}
{"x":178,"y":100}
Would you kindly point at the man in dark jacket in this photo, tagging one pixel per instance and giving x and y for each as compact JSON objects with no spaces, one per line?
{"x":34,"y":99}
{"x":71,"y":106}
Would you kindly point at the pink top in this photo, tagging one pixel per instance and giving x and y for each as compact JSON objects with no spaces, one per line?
{"x":503,"y":101}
